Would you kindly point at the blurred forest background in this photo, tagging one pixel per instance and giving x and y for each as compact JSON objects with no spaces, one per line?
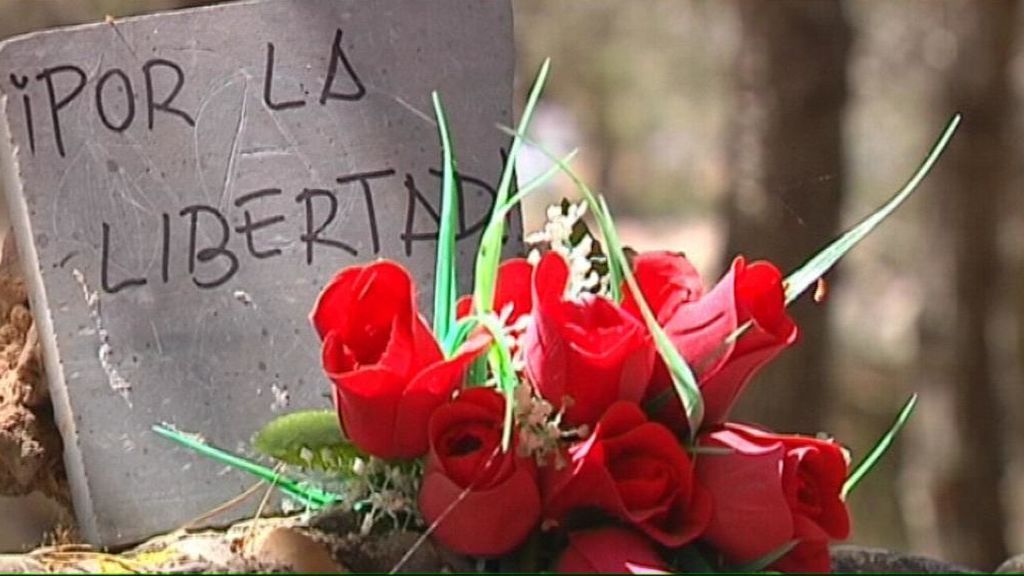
{"x":724,"y":127}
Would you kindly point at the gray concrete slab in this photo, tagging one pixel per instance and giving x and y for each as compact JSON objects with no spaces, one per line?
{"x":183,"y":184}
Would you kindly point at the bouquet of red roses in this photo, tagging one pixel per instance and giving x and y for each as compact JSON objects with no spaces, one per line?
{"x":572,"y":413}
{"x":596,"y":426}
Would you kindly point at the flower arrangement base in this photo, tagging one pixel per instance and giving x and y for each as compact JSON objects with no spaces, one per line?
{"x":330,"y":543}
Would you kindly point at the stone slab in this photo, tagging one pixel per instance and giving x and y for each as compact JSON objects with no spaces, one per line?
{"x":183,"y":184}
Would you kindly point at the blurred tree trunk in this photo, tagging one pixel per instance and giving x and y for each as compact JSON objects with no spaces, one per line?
{"x":787,"y":179}
{"x":977,"y":177}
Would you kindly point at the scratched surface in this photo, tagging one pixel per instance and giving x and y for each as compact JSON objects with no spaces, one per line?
{"x":182,"y":185}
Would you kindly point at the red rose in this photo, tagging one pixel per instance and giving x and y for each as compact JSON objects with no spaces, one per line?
{"x":699,"y":325}
{"x":610,"y":550}
{"x":388,"y":371}
{"x":480,"y":501}
{"x":773,"y":489}
{"x":667,"y":280}
{"x":636,"y":471}
{"x":590,"y":350}
{"x":511,"y":291}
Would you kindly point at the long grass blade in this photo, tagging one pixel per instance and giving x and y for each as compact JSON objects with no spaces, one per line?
{"x":489,"y":254}
{"x":500,"y":357}
{"x":881,"y":447}
{"x":683,"y":379}
{"x":445,"y":288}
{"x":311,"y":497}
{"x":808,"y":274}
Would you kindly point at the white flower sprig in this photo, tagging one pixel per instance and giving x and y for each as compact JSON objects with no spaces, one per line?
{"x":379,"y":490}
{"x":540,"y":433}
{"x":557,"y":236}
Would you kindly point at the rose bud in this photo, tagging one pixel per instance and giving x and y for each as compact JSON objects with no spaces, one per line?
{"x":388,"y":370}
{"x":667,"y":281}
{"x":512,"y":291}
{"x":590,"y":351}
{"x":635,"y":471}
{"x":479,"y":500}
{"x":700,"y":325}
{"x":610,"y":550}
{"x":771,"y":490}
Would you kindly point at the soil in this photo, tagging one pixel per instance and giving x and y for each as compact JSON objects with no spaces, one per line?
{"x":30,"y":445}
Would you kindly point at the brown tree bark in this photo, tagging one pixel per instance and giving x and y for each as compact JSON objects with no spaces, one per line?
{"x":787,"y":180}
{"x":977,"y":177}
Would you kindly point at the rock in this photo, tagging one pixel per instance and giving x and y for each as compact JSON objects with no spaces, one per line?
{"x":1014,"y":565}
{"x":292,"y":550}
{"x":861,"y":560}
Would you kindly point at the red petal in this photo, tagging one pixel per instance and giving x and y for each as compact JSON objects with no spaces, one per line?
{"x":514,"y":288}
{"x":483,"y":523}
{"x":761,"y":296}
{"x":610,"y":550}
{"x":667,"y":280}
{"x":699,"y":329}
{"x":330,"y":313}
{"x":550,"y":279}
{"x":811,"y":554}
{"x":367,"y":401}
{"x":722,"y":388}
{"x":751,"y":515}
{"x":428,"y":390}
{"x":464,"y":307}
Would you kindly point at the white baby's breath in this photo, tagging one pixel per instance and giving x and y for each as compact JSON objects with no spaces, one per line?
{"x":557,"y":237}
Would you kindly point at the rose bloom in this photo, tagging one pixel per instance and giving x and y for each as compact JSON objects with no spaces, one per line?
{"x":479,"y":500}
{"x":773,"y":489}
{"x":635,"y":471}
{"x":699,"y":323}
{"x":610,"y":550}
{"x":388,"y":371}
{"x":590,"y":350}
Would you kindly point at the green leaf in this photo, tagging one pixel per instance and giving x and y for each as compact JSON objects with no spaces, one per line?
{"x":766,"y":560}
{"x":881,"y":447}
{"x":802,"y":279}
{"x":311,"y":439}
{"x":445,"y":287}
{"x":311,"y":497}
{"x":500,"y":358}
{"x":683,"y":380}
{"x":489,"y":254}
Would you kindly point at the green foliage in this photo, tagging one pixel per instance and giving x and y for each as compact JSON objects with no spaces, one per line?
{"x":445,"y":285}
{"x":489,"y":259}
{"x":823,"y":261}
{"x":500,"y":357}
{"x":310,"y":439}
{"x":881,"y":447}
{"x":311,"y":497}
{"x":683,"y":380}
{"x":489,"y":256}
